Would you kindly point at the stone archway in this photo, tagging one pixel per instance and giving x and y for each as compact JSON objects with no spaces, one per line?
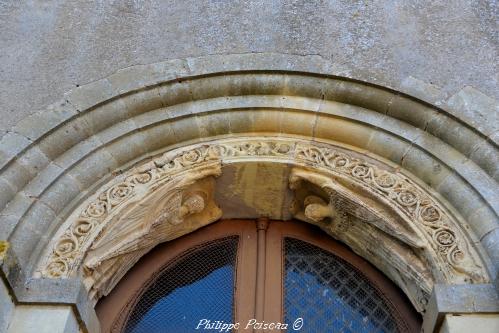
{"x":364,"y":202}
{"x":404,"y":168}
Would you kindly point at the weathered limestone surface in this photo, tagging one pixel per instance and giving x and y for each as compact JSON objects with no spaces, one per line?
{"x":442,"y":53}
{"x":51,"y":47}
{"x":6,"y":307}
{"x":380,"y":213}
{"x":43,"y":319}
{"x":457,"y":300}
{"x":109,"y":135}
{"x":470,"y":323}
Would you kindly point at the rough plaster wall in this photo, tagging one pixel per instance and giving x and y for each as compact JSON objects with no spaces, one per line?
{"x":49,"y":47}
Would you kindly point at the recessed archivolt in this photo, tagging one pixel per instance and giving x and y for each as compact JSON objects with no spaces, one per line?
{"x":53,"y":160}
{"x":352,"y":198}
{"x":118,"y":129}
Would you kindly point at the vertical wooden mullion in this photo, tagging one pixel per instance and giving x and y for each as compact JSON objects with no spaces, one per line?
{"x":273,"y":308}
{"x":244,"y":295}
{"x":261,"y":226}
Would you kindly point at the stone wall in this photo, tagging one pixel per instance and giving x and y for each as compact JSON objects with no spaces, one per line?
{"x":50,"y":47}
{"x":442,"y":53}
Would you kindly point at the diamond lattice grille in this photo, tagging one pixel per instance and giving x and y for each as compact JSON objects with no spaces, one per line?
{"x":199,"y":284}
{"x":331,"y":295}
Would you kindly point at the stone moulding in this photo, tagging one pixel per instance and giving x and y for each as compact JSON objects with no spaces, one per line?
{"x":173,"y":207}
{"x":451,"y":255}
{"x":88,"y":223}
{"x":140,"y":110}
{"x":371,"y":228}
{"x":51,"y":159}
{"x":408,"y":200}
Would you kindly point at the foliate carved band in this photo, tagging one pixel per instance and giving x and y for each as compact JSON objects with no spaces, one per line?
{"x":71,"y":246}
{"x":409,"y":200}
{"x":441,"y":231}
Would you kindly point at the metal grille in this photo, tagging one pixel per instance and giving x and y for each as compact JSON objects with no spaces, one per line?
{"x":198,"y":285}
{"x":331,"y":295}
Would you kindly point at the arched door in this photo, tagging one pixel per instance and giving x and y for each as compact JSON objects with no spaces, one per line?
{"x":255,"y":276}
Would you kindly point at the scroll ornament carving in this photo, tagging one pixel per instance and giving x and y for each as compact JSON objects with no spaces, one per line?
{"x":409,"y":200}
{"x":372,"y":231}
{"x":70,"y":248}
{"x":177,"y":207}
{"x":85,"y":230}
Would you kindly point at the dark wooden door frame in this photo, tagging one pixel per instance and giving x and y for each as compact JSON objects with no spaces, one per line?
{"x":114,"y":309}
{"x":259,"y":271}
{"x":274,"y":296}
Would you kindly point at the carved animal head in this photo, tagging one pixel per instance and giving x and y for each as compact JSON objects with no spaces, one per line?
{"x":316,"y":209}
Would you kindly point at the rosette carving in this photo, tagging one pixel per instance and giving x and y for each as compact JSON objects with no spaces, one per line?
{"x":403,"y":209}
{"x":87,"y":227}
{"x":413,"y":203}
{"x":175,"y":208}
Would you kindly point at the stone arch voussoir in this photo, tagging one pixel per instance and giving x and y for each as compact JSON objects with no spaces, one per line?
{"x":53,"y":163}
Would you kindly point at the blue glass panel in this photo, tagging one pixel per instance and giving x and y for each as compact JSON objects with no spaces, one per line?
{"x":330,"y":294}
{"x":199,"y":286}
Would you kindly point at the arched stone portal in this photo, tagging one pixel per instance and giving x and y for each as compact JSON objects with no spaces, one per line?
{"x":367,"y":164}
